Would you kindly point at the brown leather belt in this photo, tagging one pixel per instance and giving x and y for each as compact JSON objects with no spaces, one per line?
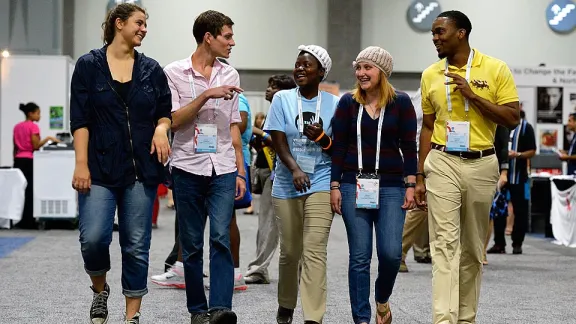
{"x":464,"y":155}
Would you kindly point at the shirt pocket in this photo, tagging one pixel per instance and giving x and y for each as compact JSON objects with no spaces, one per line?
{"x":103,"y":95}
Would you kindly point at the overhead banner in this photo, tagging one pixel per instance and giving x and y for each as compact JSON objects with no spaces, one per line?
{"x":544,"y":76}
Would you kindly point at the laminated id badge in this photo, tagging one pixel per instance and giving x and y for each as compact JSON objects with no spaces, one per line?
{"x":301,"y":149}
{"x":457,"y":136}
{"x":205,"y":138}
{"x":367,"y":193}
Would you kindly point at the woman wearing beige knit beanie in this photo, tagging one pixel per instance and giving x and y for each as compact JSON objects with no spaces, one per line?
{"x":374,"y":151}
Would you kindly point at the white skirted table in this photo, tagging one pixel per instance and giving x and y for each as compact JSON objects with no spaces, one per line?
{"x":13,"y":185}
{"x":563,"y":211}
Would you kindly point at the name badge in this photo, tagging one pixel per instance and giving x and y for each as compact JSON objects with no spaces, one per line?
{"x":300,"y":148}
{"x":457,"y":136}
{"x":367,"y":193}
{"x":205,"y":138}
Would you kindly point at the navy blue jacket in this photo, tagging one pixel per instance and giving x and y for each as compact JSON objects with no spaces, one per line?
{"x":120,"y":135}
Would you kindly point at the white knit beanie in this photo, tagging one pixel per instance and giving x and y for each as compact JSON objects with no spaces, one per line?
{"x":321,"y":54}
{"x":377,"y":56}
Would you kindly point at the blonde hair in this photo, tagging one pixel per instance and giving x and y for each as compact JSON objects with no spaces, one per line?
{"x":387,"y":92}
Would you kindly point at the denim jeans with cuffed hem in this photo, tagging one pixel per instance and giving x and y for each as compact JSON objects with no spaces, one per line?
{"x":387,"y":222}
{"x":196,"y":198}
{"x":96,"y":211}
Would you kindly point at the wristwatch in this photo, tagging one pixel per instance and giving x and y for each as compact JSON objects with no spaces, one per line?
{"x":410,"y":185}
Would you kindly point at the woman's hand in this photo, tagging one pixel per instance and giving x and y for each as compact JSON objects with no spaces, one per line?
{"x":502,"y":181}
{"x":240,"y":188}
{"x":81,"y":180}
{"x":409,"y":202}
{"x":313,"y":131}
{"x":300,"y":180}
{"x":336,"y":201}
{"x":161,"y":145}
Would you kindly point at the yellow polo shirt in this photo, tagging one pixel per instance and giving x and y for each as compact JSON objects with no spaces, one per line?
{"x":490,"y":79}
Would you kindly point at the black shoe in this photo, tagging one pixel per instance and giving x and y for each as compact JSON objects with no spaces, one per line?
{"x":223,"y":316}
{"x":284,"y":315}
{"x":425,"y":259}
{"x":134,"y":320}
{"x":201,"y":318}
{"x":495,"y":249}
{"x":517,"y":250}
{"x":99,"y":308}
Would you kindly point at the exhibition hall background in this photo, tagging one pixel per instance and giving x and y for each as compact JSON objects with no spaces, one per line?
{"x":267,"y":34}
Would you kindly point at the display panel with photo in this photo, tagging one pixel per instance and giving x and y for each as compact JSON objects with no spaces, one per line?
{"x":550,"y":138}
{"x":549,"y":106}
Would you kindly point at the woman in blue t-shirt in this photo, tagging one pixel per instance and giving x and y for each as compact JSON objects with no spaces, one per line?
{"x":299,"y":122}
{"x":373,"y":178}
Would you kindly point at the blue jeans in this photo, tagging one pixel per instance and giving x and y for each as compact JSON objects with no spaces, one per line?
{"x":388,"y":223}
{"x":96,"y":210}
{"x":195,"y":197}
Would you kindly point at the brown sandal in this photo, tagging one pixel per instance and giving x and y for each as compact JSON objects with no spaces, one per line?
{"x":383,"y":311}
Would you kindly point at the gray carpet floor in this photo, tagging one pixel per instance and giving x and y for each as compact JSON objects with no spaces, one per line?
{"x":44,"y":281}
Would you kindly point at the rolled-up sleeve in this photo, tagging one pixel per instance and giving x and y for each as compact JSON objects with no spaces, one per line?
{"x":79,"y":106}
{"x":163,"y":93}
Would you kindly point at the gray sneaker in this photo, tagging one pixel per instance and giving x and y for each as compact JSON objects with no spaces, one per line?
{"x":99,"y":308}
{"x":201,"y":318}
{"x":133,"y":320}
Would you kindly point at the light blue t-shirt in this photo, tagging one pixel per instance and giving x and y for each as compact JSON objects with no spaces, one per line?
{"x":247,"y":135}
{"x":283,"y":116}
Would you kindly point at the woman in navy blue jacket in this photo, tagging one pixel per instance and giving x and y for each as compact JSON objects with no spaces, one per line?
{"x":119,"y":116}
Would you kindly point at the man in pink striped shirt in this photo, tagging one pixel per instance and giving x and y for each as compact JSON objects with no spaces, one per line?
{"x":207,"y":163}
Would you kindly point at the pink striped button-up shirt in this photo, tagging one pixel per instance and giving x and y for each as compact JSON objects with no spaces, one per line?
{"x":186,"y":83}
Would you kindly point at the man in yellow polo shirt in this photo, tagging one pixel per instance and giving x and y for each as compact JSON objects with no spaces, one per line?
{"x":464,"y":96}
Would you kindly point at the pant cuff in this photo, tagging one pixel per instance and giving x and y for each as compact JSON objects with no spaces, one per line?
{"x":96,"y":273}
{"x":217,"y":308}
{"x":134,"y":293}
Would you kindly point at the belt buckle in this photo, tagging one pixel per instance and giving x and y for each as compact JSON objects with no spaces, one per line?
{"x":461,"y":156}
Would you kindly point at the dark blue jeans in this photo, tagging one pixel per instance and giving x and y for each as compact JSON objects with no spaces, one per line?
{"x":388,"y":223}
{"x":195,"y":197}
{"x":96,"y":210}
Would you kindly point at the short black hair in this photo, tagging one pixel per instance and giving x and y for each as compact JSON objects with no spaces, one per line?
{"x":522,"y":114}
{"x":282,"y":81}
{"x":210,"y":22}
{"x":573,"y":115}
{"x":460,"y":20}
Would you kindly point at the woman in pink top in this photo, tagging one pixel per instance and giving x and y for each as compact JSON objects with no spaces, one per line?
{"x":26,"y":141}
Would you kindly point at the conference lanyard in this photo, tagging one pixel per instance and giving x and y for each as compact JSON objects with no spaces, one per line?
{"x":448,"y":92}
{"x":301,"y":115}
{"x":193,"y":88}
{"x":359,"y":139}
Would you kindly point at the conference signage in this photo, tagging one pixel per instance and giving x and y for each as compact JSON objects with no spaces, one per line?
{"x":544,"y":76}
{"x":421,"y":14}
{"x":114,"y":3}
{"x":561,"y":16}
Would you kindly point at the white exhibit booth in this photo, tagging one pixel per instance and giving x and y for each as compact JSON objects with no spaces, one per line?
{"x":44,"y":80}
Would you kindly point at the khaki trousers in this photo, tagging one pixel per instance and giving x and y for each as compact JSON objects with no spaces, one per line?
{"x":459,"y":195}
{"x":304,"y":227}
{"x":415,"y":234}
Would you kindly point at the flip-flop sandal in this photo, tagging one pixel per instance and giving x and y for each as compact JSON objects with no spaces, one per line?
{"x":383,"y":311}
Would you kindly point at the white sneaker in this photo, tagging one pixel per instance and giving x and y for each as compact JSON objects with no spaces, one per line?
{"x":174,"y":277}
{"x":239,"y":283}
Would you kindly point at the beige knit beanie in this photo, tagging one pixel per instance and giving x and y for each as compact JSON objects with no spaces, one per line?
{"x":377,"y":56}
